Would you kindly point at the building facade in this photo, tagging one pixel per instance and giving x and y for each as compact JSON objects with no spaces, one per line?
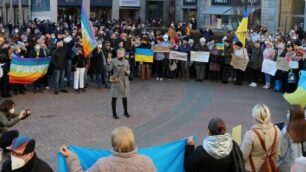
{"x":220,"y":14}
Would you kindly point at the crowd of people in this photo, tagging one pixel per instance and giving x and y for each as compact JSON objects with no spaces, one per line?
{"x":69,"y":67}
{"x":285,"y":149}
{"x":112,"y":65}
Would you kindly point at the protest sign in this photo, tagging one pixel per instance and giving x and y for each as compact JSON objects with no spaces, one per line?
{"x":239,"y":63}
{"x":199,"y":56}
{"x":161,"y":49}
{"x":178,"y":56}
{"x":269,"y":67}
{"x":282,"y":64}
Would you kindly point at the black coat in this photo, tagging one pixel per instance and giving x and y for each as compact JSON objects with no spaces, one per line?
{"x":4,"y":59}
{"x":33,"y":54}
{"x":79,"y":61}
{"x":199,"y":160}
{"x":98,"y":61}
{"x":59,"y":59}
{"x":34,"y":165}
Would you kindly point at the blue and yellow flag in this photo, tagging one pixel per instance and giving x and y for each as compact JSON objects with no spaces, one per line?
{"x":299,"y":96}
{"x":243,"y":28}
{"x":220,"y":46}
{"x":166,"y":158}
{"x":144,"y":55}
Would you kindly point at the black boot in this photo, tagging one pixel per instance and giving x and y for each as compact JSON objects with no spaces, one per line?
{"x":126,"y":114}
{"x":115,"y":116}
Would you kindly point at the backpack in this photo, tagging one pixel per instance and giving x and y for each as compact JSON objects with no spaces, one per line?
{"x":269,"y":164}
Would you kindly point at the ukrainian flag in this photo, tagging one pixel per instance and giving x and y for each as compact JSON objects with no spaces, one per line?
{"x":144,"y":55}
{"x":243,"y":28}
{"x":299,"y":96}
{"x":220,"y":46}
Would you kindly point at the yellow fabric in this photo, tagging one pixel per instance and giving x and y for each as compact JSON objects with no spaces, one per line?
{"x":241,"y":30}
{"x":236,"y":134}
{"x":298,"y":97}
{"x":144,"y":58}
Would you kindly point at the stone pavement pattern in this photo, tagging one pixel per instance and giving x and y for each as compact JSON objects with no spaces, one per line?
{"x":161,"y":112}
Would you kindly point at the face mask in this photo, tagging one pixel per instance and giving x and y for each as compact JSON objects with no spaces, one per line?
{"x":294,"y":37}
{"x":17,"y":162}
{"x":266,"y":42}
{"x":100,"y":46}
{"x":37,"y":48}
{"x":52,"y":36}
{"x":165,"y":39}
{"x":12,"y":111}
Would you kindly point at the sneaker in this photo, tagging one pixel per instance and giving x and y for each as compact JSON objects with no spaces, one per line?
{"x":47,"y":88}
{"x":255,"y":85}
{"x":157,"y":79}
{"x":161,"y":79}
{"x":56,"y":92}
{"x":82,"y":90}
{"x":252,"y":84}
{"x":266,"y":86}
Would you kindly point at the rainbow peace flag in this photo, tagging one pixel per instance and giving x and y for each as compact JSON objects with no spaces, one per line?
{"x":88,"y":36}
{"x":27,"y":70}
{"x":144,"y":55}
{"x":243,"y":28}
{"x":299,"y":96}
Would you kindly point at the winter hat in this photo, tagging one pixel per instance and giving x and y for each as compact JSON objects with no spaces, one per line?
{"x":22,"y":145}
{"x":261,"y":113}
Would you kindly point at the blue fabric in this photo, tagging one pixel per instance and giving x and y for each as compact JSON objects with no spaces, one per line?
{"x":167,"y":157}
{"x":302,"y":78}
{"x":278,"y":85}
{"x":19,"y":141}
{"x":143,"y":51}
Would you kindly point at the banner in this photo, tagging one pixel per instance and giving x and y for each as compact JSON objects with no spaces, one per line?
{"x":175,"y":55}
{"x":269,"y":67}
{"x":282,"y":64}
{"x":27,"y":70}
{"x":129,"y":3}
{"x":144,"y":55}
{"x":166,"y":158}
{"x":161,"y":49}
{"x":239,"y":63}
{"x":199,"y":56}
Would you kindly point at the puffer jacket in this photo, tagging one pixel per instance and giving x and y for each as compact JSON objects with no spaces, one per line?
{"x":216,"y":154}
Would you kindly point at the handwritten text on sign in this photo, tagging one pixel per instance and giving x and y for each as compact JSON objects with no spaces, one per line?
{"x":178,"y":56}
{"x":199,"y":56}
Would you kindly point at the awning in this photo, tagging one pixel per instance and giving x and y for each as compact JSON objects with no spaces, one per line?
{"x":225,"y":10}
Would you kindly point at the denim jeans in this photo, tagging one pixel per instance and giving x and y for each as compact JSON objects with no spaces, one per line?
{"x":59,"y":79}
{"x":105,"y":76}
{"x":98,"y":80}
{"x":268,"y":78}
{"x":69,"y":73}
